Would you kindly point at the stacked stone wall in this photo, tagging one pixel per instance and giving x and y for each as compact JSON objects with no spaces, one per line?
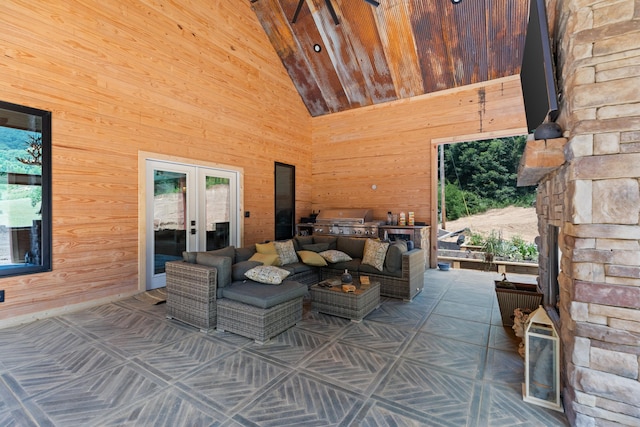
{"x":595,"y":200}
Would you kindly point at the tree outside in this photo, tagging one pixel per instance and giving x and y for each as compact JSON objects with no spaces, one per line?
{"x":481,"y":175}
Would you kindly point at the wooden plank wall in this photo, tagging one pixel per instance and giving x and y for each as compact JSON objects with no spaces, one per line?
{"x":198,"y":80}
{"x":195,"y":79}
{"x":390,"y":145}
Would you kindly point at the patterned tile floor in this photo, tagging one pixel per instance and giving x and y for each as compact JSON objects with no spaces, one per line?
{"x":442,"y":360}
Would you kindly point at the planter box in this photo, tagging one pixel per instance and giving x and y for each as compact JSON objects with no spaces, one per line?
{"x":525,"y":295}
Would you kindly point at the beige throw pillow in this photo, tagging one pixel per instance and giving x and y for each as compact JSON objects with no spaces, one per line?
{"x":374,"y":253}
{"x":334,"y":256}
{"x":267,"y":274}
{"x":286,"y":252}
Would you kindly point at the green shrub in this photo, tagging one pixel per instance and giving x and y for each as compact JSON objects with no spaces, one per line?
{"x":461,"y":203}
{"x":525,"y":250}
{"x":515,"y":249}
{"x":476,"y":239}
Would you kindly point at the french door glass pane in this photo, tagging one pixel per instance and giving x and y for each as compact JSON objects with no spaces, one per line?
{"x":217,"y":211}
{"x":169,"y":217}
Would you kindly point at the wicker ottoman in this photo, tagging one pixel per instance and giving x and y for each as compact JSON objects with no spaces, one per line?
{"x":355,"y":306}
{"x":257,"y":323}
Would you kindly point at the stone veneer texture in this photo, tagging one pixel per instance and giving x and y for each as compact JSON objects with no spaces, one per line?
{"x":595,"y":200}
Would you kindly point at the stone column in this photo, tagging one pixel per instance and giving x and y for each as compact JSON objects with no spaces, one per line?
{"x":597,"y":43}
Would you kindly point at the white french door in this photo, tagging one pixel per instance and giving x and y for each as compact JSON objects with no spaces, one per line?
{"x":188,"y":208}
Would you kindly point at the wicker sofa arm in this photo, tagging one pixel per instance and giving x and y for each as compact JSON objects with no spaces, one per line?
{"x":413,"y":263}
{"x":413,"y":267}
{"x":191,"y":293}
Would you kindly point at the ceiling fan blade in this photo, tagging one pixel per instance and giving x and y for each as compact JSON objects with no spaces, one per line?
{"x":295,"y":15}
{"x":332,"y":11}
{"x":373,"y":2}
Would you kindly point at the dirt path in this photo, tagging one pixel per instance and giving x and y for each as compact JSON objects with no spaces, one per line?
{"x":510,"y":221}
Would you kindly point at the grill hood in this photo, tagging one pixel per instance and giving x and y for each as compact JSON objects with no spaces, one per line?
{"x":347,"y":215}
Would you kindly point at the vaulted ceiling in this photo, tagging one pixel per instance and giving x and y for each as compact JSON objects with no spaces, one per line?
{"x":399,"y":49}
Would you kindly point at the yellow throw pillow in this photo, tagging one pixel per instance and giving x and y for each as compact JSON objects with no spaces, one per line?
{"x":265,"y":259}
{"x":374,"y":253}
{"x":312,"y":258}
{"x":266,"y":248}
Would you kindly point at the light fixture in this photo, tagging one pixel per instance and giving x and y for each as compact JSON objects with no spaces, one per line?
{"x":456,"y":1}
{"x":317,"y":47}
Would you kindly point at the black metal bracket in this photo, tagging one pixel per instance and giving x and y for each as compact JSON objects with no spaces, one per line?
{"x":295,"y":15}
{"x":332,"y":10}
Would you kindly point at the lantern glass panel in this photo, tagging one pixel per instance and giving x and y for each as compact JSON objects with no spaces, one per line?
{"x":542,"y":384}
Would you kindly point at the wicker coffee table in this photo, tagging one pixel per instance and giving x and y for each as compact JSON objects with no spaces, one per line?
{"x":352,"y":305}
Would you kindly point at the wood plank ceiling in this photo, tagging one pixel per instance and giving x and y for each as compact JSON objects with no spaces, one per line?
{"x":400,"y":49}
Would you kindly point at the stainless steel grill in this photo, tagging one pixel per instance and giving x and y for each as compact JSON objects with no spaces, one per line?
{"x":346,"y":222}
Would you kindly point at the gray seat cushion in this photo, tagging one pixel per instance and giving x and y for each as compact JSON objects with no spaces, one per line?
{"x":331,"y":240}
{"x":393,"y":260}
{"x":352,"y":246}
{"x":240,"y":268}
{"x":317,"y":247}
{"x":243,"y":254}
{"x":222,"y":263}
{"x":296,"y":267}
{"x":369,"y":269}
{"x":264,"y":296}
{"x":353,"y":265}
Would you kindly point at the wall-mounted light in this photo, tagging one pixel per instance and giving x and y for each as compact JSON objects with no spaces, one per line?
{"x":456,"y":1}
{"x":317,"y":48}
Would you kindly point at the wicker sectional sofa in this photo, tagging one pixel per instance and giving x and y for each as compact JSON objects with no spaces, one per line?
{"x":209,"y":289}
{"x":402,"y":275}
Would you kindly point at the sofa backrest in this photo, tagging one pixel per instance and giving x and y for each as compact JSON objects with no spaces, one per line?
{"x":223,"y":264}
{"x":393,"y":260}
{"x":352,"y":246}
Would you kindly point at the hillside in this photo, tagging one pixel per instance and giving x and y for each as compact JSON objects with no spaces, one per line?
{"x":510,"y":221}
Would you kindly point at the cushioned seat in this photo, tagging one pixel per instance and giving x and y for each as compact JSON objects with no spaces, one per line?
{"x":369,"y":269}
{"x":295,"y":267}
{"x":261,"y":295}
{"x":353,"y":265}
{"x":260,"y":311}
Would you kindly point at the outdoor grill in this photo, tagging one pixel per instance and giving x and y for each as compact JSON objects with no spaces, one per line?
{"x":346,"y":222}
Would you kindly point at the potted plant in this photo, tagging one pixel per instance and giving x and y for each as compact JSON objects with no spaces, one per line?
{"x":512,"y":295}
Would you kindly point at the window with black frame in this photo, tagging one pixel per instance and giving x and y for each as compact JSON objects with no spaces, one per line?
{"x":25,"y":190}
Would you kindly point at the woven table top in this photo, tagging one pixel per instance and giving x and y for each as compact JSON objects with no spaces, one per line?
{"x":336,"y":286}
